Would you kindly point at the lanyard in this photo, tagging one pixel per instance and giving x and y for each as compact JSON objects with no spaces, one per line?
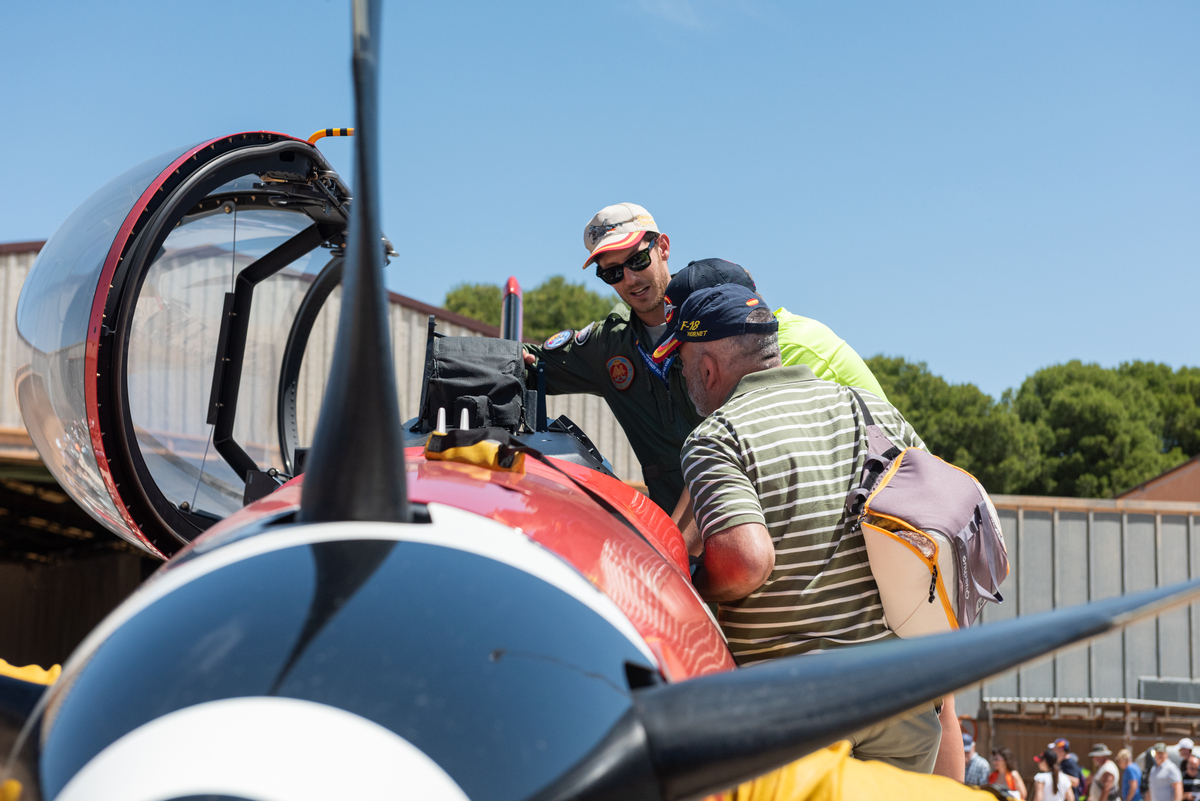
{"x":663,"y":371}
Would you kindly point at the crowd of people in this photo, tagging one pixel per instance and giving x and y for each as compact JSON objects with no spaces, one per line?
{"x":1165,"y":773}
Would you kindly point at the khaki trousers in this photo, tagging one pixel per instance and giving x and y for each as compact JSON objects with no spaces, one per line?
{"x":909,"y":742}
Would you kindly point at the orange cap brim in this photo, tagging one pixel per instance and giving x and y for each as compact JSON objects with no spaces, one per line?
{"x":629,"y":240}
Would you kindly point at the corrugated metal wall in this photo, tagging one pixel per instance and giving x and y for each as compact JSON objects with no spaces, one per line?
{"x":1068,"y":551}
{"x":13,"y":269}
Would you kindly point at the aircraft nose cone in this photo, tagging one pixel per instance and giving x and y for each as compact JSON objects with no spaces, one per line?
{"x":502,"y":677}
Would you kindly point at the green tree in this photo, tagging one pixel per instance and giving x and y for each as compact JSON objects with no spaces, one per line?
{"x":1101,"y":430}
{"x":550,"y":307}
{"x":964,"y":426}
{"x":1178,"y":394}
{"x":478,"y":301}
{"x":556,"y":304}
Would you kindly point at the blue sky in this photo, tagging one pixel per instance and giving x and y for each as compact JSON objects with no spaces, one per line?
{"x":989,"y":187}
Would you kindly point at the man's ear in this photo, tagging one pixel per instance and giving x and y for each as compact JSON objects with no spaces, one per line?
{"x":664,"y":245}
{"x":710,"y":371}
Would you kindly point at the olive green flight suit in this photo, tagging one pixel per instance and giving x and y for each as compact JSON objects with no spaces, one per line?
{"x":656,"y":415}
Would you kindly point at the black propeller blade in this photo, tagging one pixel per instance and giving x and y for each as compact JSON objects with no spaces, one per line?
{"x":356,"y":465}
{"x":711,"y":733}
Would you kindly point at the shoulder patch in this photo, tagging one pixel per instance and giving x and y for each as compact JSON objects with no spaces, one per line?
{"x":558,"y":340}
{"x":620,"y":370}
{"x":582,"y":334}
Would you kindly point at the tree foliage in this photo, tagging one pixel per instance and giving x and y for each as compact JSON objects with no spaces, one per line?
{"x":478,"y":301}
{"x":550,"y":307}
{"x":1071,"y":429}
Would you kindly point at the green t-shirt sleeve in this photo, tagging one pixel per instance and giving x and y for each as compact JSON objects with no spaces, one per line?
{"x":812,"y":343}
{"x":723,"y":495}
{"x":574,"y":368}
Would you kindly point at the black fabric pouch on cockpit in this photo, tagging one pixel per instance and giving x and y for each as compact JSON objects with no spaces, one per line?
{"x":484,"y":376}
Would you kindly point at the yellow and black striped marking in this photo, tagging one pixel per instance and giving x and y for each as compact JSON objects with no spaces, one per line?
{"x":324,"y":132}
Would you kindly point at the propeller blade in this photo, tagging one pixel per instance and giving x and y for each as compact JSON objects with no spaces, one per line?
{"x":355,"y":468}
{"x":713,"y":732}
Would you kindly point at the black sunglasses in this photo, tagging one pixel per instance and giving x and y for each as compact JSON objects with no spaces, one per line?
{"x":637,"y":262}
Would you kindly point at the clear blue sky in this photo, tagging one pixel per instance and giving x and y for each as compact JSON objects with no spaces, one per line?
{"x":989,"y":187}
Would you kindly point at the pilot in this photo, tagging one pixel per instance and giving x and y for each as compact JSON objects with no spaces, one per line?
{"x":614,"y":357}
{"x":768,"y":472}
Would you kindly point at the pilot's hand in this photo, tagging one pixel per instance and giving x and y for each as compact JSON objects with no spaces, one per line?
{"x":529,"y":359}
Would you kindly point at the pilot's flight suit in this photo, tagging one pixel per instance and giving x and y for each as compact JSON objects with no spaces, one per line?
{"x":654,"y":410}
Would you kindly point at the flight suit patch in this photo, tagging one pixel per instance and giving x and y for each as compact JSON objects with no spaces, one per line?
{"x":558,"y":340}
{"x":582,"y":334}
{"x":620,"y":370}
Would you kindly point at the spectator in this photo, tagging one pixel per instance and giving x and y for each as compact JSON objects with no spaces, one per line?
{"x":1185,"y":752}
{"x":1191,"y":779}
{"x":1005,"y":773}
{"x":1061,"y":749}
{"x":1052,"y":784}
{"x":976,"y":772}
{"x":1131,"y":776}
{"x":1166,"y":782}
{"x":757,"y":487}
{"x":1105,"y":779}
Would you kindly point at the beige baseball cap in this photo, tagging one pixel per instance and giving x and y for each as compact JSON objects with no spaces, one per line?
{"x":616,"y":227}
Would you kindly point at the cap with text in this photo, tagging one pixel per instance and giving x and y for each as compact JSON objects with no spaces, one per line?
{"x":616,"y":227}
{"x":716,"y":313}
{"x":700,"y":275}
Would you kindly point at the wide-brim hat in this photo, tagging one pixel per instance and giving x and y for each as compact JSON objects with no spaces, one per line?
{"x":616,"y":227}
{"x":1099,"y":749}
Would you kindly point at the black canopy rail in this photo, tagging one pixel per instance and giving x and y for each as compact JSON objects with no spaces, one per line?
{"x":231,"y":351}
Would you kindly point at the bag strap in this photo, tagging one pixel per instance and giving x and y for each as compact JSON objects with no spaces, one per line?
{"x":875,"y":465}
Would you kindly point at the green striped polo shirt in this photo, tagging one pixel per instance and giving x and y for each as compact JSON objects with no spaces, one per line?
{"x":784,"y":450}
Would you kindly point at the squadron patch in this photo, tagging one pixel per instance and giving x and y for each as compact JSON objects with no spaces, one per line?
{"x":558,"y":340}
{"x":582,"y":334}
{"x":668,"y":308}
{"x":620,"y":370}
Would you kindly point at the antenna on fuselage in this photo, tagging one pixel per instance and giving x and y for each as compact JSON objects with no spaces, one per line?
{"x":356,"y":465}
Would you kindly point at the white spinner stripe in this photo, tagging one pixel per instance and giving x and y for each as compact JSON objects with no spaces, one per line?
{"x":269,"y":749}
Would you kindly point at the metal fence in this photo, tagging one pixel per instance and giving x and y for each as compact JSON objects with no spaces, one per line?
{"x":1068,"y":551}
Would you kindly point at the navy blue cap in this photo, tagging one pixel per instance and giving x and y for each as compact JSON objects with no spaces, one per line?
{"x":716,"y":313}
{"x":700,"y":275}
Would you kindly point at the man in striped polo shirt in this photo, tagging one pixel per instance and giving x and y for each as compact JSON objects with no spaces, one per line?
{"x":769,"y":470}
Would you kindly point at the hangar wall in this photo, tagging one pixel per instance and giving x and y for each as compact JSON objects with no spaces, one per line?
{"x":1068,"y":551}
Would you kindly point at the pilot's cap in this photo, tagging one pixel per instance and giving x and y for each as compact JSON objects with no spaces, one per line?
{"x":616,"y":227}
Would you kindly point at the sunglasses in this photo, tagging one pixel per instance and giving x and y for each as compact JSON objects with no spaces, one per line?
{"x":637,"y":262}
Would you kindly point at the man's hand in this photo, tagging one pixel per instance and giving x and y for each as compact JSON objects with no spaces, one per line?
{"x":530,"y":359}
{"x":737,"y":561}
